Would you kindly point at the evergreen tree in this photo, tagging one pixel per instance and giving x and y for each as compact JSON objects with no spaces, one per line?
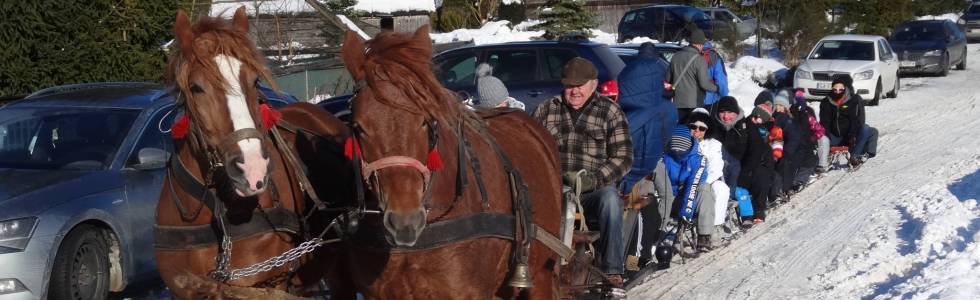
{"x":48,"y":43}
{"x":566,"y":16}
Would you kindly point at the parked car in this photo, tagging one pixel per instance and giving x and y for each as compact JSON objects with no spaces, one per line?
{"x":971,"y":16}
{"x":722,"y":17}
{"x":82,"y":168}
{"x":929,"y":46}
{"x":665,"y":23}
{"x":628,"y":52}
{"x":530,"y":70}
{"x":868,"y":59}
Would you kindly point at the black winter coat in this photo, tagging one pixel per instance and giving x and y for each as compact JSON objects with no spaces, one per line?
{"x":757,"y":159}
{"x":845,"y":120}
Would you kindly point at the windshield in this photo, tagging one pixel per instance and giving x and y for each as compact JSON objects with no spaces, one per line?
{"x":60,"y":138}
{"x":844,"y":50}
{"x":919,"y":32}
{"x":691,"y":14}
{"x":974,"y":9}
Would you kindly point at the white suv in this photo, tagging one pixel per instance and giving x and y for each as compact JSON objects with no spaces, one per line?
{"x":868,"y":59}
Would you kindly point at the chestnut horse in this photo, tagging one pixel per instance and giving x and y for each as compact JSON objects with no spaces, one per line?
{"x":447,"y":226}
{"x":235,"y":192}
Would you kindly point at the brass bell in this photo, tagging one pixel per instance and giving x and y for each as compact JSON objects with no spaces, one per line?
{"x":521,"y":277}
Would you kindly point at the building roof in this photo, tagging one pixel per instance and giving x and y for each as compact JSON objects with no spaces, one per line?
{"x":226,"y":8}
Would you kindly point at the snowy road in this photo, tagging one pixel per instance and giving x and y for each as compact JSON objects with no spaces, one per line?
{"x":906,"y":225}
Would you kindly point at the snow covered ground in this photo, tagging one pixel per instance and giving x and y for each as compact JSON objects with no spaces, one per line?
{"x":905,"y":226}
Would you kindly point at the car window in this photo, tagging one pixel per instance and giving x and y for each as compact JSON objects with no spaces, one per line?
{"x":60,"y":138}
{"x":457,"y":71}
{"x":918,"y":32}
{"x":975,"y":9}
{"x":888,"y":49}
{"x":844,"y":50}
{"x":519,"y":65}
{"x":554,"y":61}
{"x":638,"y":20}
{"x":155,"y":135}
{"x":882,"y":54}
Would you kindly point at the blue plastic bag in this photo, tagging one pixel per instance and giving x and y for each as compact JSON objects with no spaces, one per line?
{"x":744,"y":202}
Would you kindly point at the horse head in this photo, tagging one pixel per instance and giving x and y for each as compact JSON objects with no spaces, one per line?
{"x":402,"y":118}
{"x":216,"y":71}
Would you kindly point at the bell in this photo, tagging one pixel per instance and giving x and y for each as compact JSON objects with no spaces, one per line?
{"x":521,"y":277}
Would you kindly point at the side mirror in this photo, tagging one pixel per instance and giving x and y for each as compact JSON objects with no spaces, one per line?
{"x":151,"y":159}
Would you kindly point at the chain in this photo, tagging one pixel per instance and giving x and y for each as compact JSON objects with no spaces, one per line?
{"x":278,"y":261}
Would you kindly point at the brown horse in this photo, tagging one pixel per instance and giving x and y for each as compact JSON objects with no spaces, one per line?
{"x":442,"y":238}
{"x":233,"y":195}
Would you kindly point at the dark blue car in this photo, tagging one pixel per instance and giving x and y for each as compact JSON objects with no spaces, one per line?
{"x":81,"y":169}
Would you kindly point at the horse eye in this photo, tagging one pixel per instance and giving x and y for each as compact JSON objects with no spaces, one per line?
{"x":196,"y":89}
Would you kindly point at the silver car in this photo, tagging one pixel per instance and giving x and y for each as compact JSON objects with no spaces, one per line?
{"x":81,"y":168}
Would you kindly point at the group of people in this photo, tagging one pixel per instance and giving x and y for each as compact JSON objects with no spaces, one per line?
{"x":676,"y":126}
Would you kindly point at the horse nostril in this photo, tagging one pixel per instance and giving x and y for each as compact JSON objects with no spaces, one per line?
{"x":259,"y":184}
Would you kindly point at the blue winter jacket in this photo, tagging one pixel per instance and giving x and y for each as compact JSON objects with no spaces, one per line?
{"x":687,"y":171}
{"x":649,"y":114}
{"x":716,"y":70}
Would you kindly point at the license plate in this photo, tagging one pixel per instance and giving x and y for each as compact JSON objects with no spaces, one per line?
{"x":906,"y":63}
{"x":823,"y":85}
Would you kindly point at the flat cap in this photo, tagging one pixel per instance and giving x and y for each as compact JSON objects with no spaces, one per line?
{"x":578,"y":71}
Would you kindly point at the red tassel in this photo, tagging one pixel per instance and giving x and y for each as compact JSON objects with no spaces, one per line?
{"x":434,"y":162}
{"x":179,"y":130}
{"x":350,"y":148}
{"x":270,"y":116}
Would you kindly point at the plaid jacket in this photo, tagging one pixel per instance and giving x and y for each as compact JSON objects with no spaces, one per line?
{"x":599,"y":142}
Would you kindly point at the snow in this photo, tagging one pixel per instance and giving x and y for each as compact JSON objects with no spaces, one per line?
{"x":951,"y":16}
{"x":745,"y":74}
{"x":353,"y":26}
{"x":390,"y":6}
{"x":491,"y":32}
{"x":904,"y":226}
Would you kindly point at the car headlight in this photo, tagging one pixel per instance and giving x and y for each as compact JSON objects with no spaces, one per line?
{"x":14,"y":234}
{"x":801,"y":74}
{"x":864,"y":75}
{"x":933,"y":53}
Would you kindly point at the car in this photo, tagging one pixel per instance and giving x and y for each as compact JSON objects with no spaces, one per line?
{"x":971,"y":16}
{"x":82,"y":168}
{"x":530,"y":70}
{"x":628,"y":52}
{"x":724,"y":18}
{"x":929,"y":46}
{"x":665,"y":23}
{"x":868,"y":59}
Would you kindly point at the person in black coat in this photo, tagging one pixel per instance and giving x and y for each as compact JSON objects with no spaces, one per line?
{"x":757,"y":163}
{"x":842,"y":116}
{"x":728,"y":126}
{"x":786,"y":163}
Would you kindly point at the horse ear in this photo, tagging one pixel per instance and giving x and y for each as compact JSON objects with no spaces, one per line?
{"x":422,"y":36}
{"x":240,"y":20}
{"x":183,"y":33}
{"x":353,"y":54}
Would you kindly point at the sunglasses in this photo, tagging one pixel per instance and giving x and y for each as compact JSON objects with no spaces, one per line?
{"x":698,"y":128}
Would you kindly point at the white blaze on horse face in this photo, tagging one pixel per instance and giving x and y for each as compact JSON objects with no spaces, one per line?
{"x":255,"y":166}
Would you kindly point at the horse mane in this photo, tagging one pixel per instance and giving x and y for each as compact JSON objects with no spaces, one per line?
{"x":402,"y":62}
{"x":214,"y":36}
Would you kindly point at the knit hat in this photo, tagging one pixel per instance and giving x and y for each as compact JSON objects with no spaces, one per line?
{"x":490,"y":91}
{"x":763,"y":97}
{"x":762,"y":113}
{"x":800,"y":97}
{"x":782,"y":98}
{"x":680,"y":141}
{"x":698,"y":115}
{"x":697,"y":37}
{"x":728,"y":103}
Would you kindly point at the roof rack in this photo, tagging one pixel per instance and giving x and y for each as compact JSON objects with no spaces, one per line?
{"x":87,"y":86}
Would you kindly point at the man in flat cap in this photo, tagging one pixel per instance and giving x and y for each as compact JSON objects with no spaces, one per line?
{"x":593,"y":136}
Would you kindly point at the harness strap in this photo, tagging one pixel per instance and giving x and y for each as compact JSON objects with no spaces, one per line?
{"x":278,"y":219}
{"x":190,"y":184}
{"x":304,"y":181}
{"x":240,"y":135}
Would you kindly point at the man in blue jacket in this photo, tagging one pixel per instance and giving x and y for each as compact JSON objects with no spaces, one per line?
{"x":650,"y":115}
{"x":716,"y":70}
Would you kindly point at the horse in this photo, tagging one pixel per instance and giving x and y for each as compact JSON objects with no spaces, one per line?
{"x":236,"y":193}
{"x":457,"y":225}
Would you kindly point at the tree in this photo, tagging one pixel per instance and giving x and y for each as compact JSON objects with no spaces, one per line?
{"x":48,"y":43}
{"x":566,"y":16}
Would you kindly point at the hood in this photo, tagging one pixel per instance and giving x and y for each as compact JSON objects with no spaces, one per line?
{"x":848,"y":95}
{"x":29,"y":192}
{"x":900,"y":46}
{"x":849,"y":66}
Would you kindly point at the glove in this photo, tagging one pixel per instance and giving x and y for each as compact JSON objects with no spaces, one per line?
{"x":588,"y":180}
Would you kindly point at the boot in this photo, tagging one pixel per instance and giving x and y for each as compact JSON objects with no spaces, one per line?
{"x":704,"y":243}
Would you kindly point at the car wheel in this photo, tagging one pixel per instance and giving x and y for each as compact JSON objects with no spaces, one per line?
{"x":878,"y":94}
{"x":945,"y":66}
{"x":81,"y":267}
{"x":962,"y":65}
{"x":898,"y":85}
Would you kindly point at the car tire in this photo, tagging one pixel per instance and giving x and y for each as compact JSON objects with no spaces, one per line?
{"x":898,"y":85}
{"x":81,"y":267}
{"x":962,"y":65}
{"x":945,"y":66}
{"x":878,"y":94}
